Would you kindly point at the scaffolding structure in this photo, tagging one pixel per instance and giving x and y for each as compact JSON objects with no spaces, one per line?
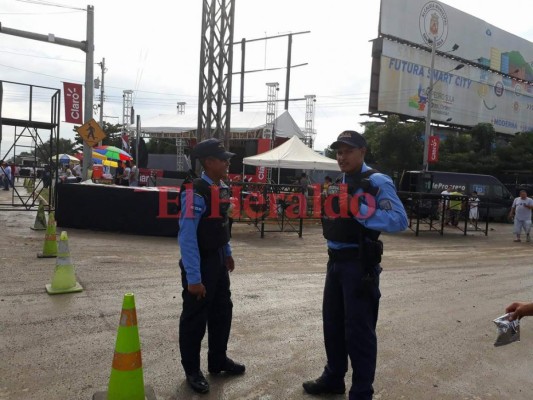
{"x":180,"y":143}
{"x":127,"y":106}
{"x":271,"y":111}
{"x":216,"y":68}
{"x":30,"y":134}
{"x":310,"y":133}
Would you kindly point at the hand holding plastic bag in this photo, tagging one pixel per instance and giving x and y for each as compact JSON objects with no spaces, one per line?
{"x":508,"y":331}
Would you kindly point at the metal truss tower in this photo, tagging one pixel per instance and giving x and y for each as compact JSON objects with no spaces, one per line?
{"x":127,"y":104}
{"x":271,"y":112}
{"x":310,"y":133}
{"x":216,"y":68}
{"x":180,"y":143}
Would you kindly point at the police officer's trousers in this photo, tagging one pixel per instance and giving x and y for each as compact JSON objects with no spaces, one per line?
{"x":350,"y":313}
{"x":213,"y":311}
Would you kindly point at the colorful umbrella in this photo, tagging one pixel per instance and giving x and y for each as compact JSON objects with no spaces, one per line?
{"x":98,"y":159}
{"x":113,"y":153}
{"x":67,"y":159}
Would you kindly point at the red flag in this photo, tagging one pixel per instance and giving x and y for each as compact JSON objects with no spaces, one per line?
{"x":73,"y":102}
{"x":433,"y":149}
{"x":261,"y":172}
{"x":125,"y":141}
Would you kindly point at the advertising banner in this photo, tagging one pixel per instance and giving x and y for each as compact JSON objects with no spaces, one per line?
{"x":73,"y":102}
{"x":263,"y":145}
{"x":471,"y":38}
{"x":466,"y":96}
{"x":433,"y":149}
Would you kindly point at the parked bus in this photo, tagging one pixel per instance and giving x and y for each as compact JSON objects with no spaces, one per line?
{"x":490,"y":190}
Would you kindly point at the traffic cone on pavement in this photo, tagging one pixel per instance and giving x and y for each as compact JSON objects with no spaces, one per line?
{"x":50,"y":241}
{"x":64,"y":280}
{"x":40,"y":218}
{"x":126,"y":381}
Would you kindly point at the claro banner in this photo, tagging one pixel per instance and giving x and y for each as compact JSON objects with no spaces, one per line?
{"x":73,"y":103}
{"x":433,"y":149}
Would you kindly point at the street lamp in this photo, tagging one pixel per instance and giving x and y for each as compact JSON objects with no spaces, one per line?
{"x":427,"y":132}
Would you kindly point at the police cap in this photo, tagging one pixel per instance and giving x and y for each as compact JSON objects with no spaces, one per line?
{"x":350,"y":138}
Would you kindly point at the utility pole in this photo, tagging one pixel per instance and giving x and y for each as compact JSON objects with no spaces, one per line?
{"x":88,"y":47}
{"x":102,"y":66}
{"x":427,"y":132}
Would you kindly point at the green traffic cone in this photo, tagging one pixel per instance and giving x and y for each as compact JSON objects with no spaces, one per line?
{"x":64,"y":280}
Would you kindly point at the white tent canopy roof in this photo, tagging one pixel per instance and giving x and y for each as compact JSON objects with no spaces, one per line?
{"x":284,"y":124}
{"x":293,"y":154}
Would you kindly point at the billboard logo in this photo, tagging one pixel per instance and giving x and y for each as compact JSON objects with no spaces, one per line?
{"x":433,"y":23}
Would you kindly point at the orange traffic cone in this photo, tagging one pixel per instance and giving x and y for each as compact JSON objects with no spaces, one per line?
{"x":64,"y":280}
{"x":50,"y":241}
{"x":40,"y":218}
{"x":126,"y":381}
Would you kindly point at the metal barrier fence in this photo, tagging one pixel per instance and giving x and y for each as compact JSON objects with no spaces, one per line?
{"x":274,"y":207}
{"x":428,"y":212}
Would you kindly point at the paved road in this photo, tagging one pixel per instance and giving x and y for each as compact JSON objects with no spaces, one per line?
{"x":439,"y":296}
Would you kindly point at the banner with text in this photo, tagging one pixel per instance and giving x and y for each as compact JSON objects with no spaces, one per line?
{"x":73,"y":102}
{"x":263,"y":145}
{"x":433,"y":149}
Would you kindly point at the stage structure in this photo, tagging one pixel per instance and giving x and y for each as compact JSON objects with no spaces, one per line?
{"x":127,"y":115}
{"x":216,"y":59}
{"x":30,"y":132}
{"x":310,"y":133}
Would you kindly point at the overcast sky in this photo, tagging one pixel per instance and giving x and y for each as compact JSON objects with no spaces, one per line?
{"x":152,"y":47}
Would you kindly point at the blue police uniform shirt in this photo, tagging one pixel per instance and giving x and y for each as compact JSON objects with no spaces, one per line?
{"x":389,"y":214}
{"x":187,"y":239}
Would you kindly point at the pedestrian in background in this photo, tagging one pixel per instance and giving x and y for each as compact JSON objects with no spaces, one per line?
{"x":455,"y":208}
{"x":134,"y":174}
{"x":119,"y":172}
{"x":521,"y":215}
{"x":473,"y":209}
{"x":8,"y":179}
{"x":125,"y":181}
{"x":205,"y":264}
{"x":351,"y":292}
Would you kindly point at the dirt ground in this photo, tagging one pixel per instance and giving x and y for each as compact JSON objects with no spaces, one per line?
{"x":439,"y":297}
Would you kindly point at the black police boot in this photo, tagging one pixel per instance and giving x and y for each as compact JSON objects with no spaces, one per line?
{"x":197,"y":382}
{"x":321,"y":386}
{"x":230,"y":367}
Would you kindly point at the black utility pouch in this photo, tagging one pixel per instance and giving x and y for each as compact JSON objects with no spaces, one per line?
{"x":372,"y":251}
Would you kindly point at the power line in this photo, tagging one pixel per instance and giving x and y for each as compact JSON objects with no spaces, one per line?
{"x":36,"y":56}
{"x":48,"y":3}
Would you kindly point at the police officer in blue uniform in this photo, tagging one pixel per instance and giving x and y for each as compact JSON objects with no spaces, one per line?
{"x":205,"y":264}
{"x":364,"y":203}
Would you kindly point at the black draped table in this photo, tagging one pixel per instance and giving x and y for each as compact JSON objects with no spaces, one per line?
{"x":141,"y":211}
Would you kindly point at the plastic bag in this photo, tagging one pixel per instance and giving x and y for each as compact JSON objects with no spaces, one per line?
{"x":508,"y":331}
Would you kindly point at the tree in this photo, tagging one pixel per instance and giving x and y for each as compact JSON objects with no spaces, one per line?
{"x":46,"y":150}
{"x":483,"y":138}
{"x":394,"y":145}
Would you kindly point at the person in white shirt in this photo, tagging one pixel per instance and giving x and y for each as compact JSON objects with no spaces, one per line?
{"x":521,"y":212}
{"x":76,"y":170}
{"x":126,"y":175}
{"x":134,"y":174}
{"x":473,"y":204}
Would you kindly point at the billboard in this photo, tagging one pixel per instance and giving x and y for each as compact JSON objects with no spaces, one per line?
{"x":474,"y":94}
{"x":466,"y":97}
{"x":418,"y":21}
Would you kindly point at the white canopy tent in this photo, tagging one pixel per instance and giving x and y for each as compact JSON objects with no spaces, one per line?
{"x":293,"y":154}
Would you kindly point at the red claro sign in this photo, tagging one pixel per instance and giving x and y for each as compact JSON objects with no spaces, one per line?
{"x":433,"y":149}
